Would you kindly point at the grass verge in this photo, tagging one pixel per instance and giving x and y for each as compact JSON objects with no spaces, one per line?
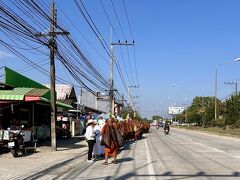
{"x":214,"y":130}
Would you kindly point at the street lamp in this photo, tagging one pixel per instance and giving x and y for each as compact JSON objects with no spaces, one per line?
{"x":216,"y":71}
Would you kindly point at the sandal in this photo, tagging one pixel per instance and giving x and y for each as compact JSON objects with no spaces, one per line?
{"x":105,"y":163}
{"x":114,"y":162}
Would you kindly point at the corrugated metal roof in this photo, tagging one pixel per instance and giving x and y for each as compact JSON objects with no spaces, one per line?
{"x":66,"y":101}
{"x":20,"y":93}
{"x":15,"y":94}
{"x":37,"y":92}
{"x":59,"y":104}
{"x":63,"y":90}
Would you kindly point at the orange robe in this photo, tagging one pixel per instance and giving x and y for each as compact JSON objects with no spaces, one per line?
{"x":112,"y":150}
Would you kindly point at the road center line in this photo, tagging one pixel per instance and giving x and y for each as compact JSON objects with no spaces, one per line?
{"x":149,"y":163}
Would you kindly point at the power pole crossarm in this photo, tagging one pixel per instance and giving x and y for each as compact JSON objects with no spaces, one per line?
{"x":232,"y":83}
{"x":122,"y":44}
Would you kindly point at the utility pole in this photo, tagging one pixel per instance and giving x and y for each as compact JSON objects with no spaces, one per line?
{"x":122,"y":100}
{"x":203,"y":113}
{"x":52,"y":81}
{"x":186,"y":105}
{"x":52,"y":45}
{"x":111,"y":95}
{"x":111,"y":90}
{"x":215,"y":108}
{"x":121,"y":108}
{"x":96,"y":100}
{"x":129,"y":93}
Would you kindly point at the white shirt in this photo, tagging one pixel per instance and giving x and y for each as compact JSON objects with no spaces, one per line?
{"x":89,"y":135}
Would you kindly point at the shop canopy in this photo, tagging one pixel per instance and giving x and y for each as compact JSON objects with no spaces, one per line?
{"x":22,"y":94}
{"x":28,"y":94}
{"x":26,"y":90}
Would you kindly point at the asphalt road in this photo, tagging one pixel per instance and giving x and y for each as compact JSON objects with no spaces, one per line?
{"x":180,"y":155}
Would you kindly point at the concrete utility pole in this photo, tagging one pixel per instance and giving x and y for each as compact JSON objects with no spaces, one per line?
{"x":52,"y":79}
{"x":129,"y":92}
{"x":186,"y":105}
{"x":111,"y":95}
{"x":52,"y":45}
{"x":215,"y":108}
{"x":111,"y":90}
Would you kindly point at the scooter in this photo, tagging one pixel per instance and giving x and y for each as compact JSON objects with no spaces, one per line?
{"x":16,"y":142}
{"x":166,"y":130}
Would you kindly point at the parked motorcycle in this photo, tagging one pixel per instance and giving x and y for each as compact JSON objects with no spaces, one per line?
{"x":16,"y":142}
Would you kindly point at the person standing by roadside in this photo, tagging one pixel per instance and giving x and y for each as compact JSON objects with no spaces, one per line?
{"x":90,"y":138}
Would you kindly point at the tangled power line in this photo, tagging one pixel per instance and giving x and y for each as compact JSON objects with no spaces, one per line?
{"x":20,"y":21}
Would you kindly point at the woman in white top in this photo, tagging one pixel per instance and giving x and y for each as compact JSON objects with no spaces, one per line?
{"x":90,"y":138}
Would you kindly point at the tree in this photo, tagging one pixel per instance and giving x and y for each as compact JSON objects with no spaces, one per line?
{"x":232,"y":116}
{"x":202,"y":110}
{"x":128,"y":110}
{"x":180,"y":117}
{"x":193,"y":117}
{"x":157,"y":117}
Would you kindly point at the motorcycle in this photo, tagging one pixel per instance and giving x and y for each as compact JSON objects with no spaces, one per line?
{"x":16,"y":142}
{"x":166,"y":130}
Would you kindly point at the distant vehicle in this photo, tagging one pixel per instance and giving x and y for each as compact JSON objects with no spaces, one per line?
{"x":175,"y":123}
{"x":161,"y":124}
{"x":154,"y":123}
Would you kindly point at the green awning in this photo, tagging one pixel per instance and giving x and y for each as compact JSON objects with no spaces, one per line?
{"x":59,"y":104}
{"x":16,"y":94}
{"x":17,"y":80}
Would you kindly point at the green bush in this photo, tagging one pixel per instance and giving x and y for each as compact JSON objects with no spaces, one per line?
{"x":220,"y":122}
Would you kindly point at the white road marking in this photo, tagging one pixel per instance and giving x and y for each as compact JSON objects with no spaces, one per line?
{"x":235,"y":156}
{"x":149,"y":163}
{"x":218,"y":150}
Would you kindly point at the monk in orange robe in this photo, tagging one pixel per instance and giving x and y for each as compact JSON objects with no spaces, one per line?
{"x":111,"y":146}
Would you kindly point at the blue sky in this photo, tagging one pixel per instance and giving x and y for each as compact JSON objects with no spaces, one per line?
{"x":178,"y":42}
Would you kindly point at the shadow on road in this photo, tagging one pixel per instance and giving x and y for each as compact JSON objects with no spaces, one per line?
{"x":122,"y":160}
{"x":65,"y":144}
{"x":54,"y":167}
{"x":173,"y":176}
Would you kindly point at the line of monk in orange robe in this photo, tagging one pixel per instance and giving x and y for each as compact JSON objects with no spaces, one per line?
{"x":116,"y":133}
